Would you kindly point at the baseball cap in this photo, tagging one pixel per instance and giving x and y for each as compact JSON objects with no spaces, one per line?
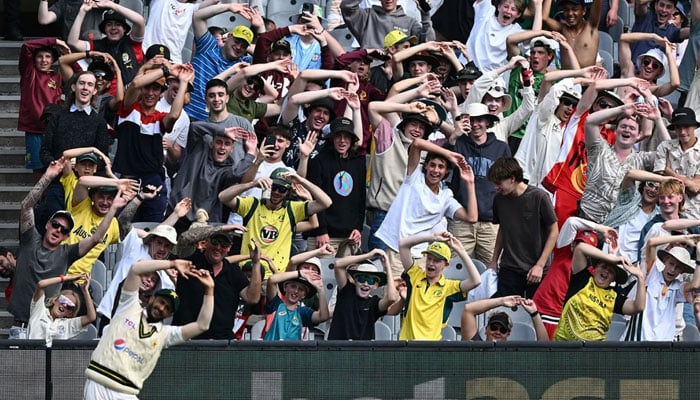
{"x":243,"y":32}
{"x":65,"y":215}
{"x":588,"y":237}
{"x":281,"y":45}
{"x":157,"y":50}
{"x":170,"y":294}
{"x":440,"y":250}
{"x":278,"y":177}
{"x":86,"y":157}
{"x":501,"y":318}
{"x":397,"y":37}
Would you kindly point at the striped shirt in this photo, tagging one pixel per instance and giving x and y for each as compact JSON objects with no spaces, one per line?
{"x":604,"y":176}
{"x":208,"y":62}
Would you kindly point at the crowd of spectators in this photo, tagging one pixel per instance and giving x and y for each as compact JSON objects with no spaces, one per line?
{"x":487,"y":131}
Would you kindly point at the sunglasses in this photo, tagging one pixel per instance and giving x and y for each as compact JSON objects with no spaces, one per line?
{"x":652,"y":185}
{"x":569,"y":102}
{"x":254,"y":83}
{"x":650,"y":61}
{"x":99,"y":74}
{"x":498,"y":327}
{"x":220,"y":242}
{"x":57,"y":225}
{"x":604,"y":104}
{"x":370,"y":280}
{"x":66,"y":302}
{"x":497,"y":89}
{"x":279,"y":188}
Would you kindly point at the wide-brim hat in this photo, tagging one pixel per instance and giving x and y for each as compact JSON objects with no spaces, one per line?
{"x":543,"y":41}
{"x":113,"y":16}
{"x":104,"y":67}
{"x":498,"y":90}
{"x":423,"y":56}
{"x":325,"y":102}
{"x":369,"y":269}
{"x":683,"y":116}
{"x":439,"y":109}
{"x":310,"y":289}
{"x":167,"y":232}
{"x":103,"y":189}
{"x":51,"y":49}
{"x":480,"y":110}
{"x":656,"y":54}
{"x":681,"y":255}
{"x":612,"y":96}
{"x":470,"y":72}
{"x":343,"y":125}
{"x":315,"y":261}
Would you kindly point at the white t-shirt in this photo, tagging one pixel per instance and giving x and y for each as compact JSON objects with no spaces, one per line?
{"x":416,"y":209}
{"x":134,"y":250}
{"x":487,"y":41}
{"x":169,"y":21}
{"x":629,"y":234}
{"x":43,"y":326}
{"x":180,"y":129}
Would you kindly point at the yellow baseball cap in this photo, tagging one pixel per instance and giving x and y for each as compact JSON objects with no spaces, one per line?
{"x":439,"y":250}
{"x":396,"y":36}
{"x":243,"y":32}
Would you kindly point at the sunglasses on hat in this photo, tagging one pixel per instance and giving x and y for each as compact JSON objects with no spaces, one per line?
{"x":66,"y":302}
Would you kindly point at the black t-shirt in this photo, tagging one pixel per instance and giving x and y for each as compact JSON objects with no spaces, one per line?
{"x":454,"y":19}
{"x":229,"y":283}
{"x":354,"y":317}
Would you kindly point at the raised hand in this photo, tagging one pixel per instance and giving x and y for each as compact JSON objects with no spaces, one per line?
{"x":183,"y":207}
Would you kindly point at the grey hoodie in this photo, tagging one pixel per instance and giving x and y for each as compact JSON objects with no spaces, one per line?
{"x":370,"y":25}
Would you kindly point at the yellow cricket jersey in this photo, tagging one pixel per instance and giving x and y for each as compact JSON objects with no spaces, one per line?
{"x":428,"y":306}
{"x":86,"y":222}
{"x":273,"y":229}
{"x":587,"y":314}
{"x":69,"y":182}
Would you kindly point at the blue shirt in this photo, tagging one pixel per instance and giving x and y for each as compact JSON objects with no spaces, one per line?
{"x":305,"y":57}
{"x":207,"y":63}
{"x":648,"y":25}
{"x":286,"y":324}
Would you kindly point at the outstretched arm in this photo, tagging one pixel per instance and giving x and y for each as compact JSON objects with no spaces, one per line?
{"x":26,"y":218}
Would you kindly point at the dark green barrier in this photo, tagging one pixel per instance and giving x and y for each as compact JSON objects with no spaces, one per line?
{"x":380,"y":370}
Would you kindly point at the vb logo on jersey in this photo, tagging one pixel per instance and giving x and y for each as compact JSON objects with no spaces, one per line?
{"x":269,"y":233}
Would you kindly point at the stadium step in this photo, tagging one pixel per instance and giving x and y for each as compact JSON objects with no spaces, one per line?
{"x":9,"y":84}
{"x":9,"y":103}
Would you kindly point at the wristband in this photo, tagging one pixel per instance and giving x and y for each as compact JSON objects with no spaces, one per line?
{"x":63,"y":278}
{"x":527,"y":77}
{"x":138,"y":196}
{"x":87,"y":53}
{"x":534,"y":314}
{"x":299,"y":273}
{"x":166,"y":71}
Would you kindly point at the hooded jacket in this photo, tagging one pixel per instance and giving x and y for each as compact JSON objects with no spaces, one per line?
{"x":480,"y":158}
{"x":370,"y":25}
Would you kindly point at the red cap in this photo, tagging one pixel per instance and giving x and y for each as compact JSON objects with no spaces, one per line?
{"x":588,"y":237}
